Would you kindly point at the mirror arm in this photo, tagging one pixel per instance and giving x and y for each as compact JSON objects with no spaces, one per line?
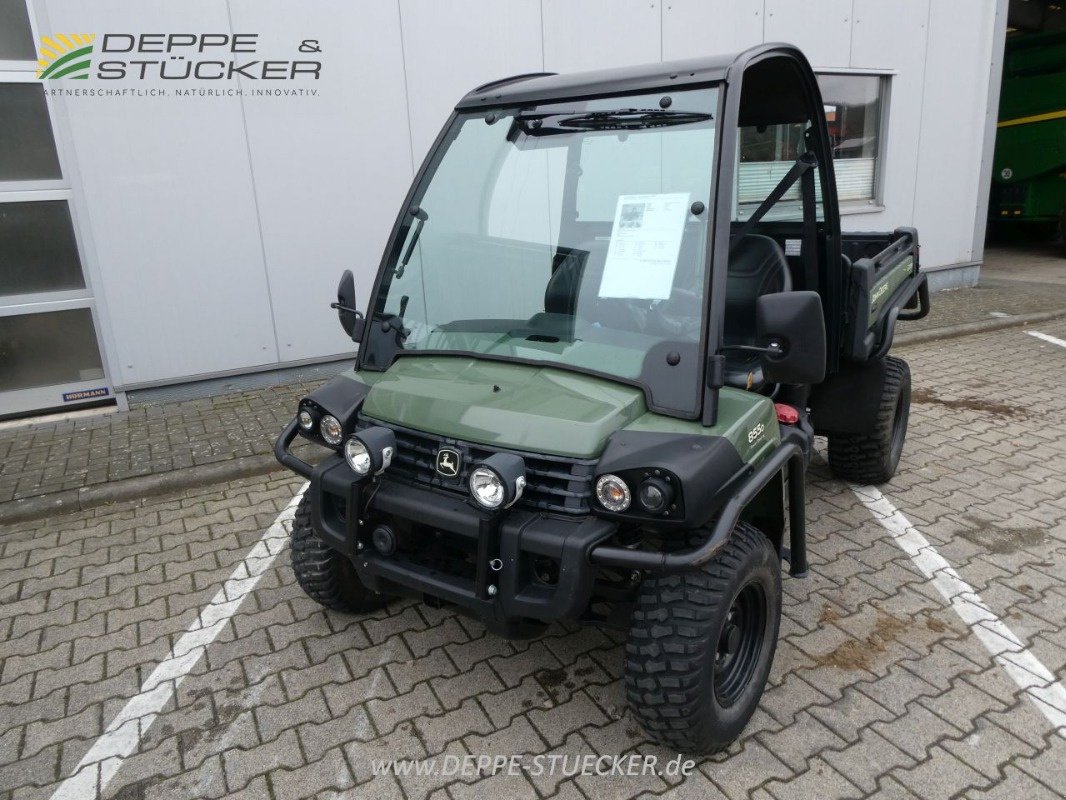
{"x":349,"y":309}
{"x":774,"y":349}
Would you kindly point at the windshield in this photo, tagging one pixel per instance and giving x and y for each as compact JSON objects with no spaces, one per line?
{"x":571,"y":233}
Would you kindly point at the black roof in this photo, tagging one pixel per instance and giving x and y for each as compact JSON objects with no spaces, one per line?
{"x":535,"y":87}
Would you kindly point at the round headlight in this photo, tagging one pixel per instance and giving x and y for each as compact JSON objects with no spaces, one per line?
{"x":357,"y":455}
{"x":655,"y":494}
{"x":487,"y":488}
{"x":613,"y":493}
{"x":307,"y":422}
{"x":330,"y":428}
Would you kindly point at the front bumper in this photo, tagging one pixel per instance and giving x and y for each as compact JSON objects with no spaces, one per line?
{"x":503,"y":585}
{"x":506,"y":550}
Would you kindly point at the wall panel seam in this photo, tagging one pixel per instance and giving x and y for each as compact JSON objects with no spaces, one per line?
{"x":258,"y":210}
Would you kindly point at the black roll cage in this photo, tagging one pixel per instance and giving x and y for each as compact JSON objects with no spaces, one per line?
{"x":728,"y":73}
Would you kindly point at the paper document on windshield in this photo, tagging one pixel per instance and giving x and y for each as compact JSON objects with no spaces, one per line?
{"x":645,"y":241}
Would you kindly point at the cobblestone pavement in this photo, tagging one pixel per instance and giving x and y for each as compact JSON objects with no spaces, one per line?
{"x":992,"y":299}
{"x":878,"y":689}
{"x":152,"y":437}
{"x":47,"y":456}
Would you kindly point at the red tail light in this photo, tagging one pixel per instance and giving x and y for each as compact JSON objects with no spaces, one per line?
{"x":786,"y":414}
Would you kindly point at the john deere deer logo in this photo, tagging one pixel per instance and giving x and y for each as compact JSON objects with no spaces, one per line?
{"x":65,"y":55}
{"x":448,"y":462}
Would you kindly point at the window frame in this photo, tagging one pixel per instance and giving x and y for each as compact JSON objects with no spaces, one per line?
{"x":67,"y":188}
{"x":875,"y":203}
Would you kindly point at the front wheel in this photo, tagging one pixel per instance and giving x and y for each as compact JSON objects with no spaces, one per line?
{"x":872,"y":458}
{"x":326,"y":575}
{"x":701,"y":644}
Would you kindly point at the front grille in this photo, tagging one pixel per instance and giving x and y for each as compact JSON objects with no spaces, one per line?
{"x":553,"y":483}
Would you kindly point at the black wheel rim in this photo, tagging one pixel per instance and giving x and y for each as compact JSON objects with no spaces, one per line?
{"x":740,"y":644}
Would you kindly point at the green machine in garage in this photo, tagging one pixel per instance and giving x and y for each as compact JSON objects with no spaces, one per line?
{"x":1029,"y":172}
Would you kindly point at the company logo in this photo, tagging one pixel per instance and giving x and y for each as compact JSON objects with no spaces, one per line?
{"x":86,"y":394}
{"x":448,"y":462}
{"x":175,"y":57}
{"x":65,"y":55}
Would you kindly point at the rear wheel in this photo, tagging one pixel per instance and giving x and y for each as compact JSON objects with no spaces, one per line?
{"x":872,"y":458}
{"x":701,"y":644}
{"x":326,"y":575}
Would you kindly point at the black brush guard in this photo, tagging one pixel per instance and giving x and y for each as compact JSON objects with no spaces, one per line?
{"x":512,"y":540}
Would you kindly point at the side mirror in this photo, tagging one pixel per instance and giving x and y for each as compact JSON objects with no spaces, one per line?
{"x":792,"y":325}
{"x":351,"y":318}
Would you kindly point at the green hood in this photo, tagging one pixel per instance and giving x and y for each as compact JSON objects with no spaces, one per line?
{"x":539,"y":409}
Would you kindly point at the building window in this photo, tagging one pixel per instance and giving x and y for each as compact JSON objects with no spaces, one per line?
{"x":767,"y":153}
{"x":27,"y":146}
{"x":49,"y":348}
{"x":16,"y":38}
{"x":854,"y":116}
{"x":854,"y":113}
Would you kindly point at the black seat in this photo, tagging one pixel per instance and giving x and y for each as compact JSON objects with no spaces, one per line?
{"x":757,"y":266}
{"x":573,"y":289}
{"x":560,"y":295}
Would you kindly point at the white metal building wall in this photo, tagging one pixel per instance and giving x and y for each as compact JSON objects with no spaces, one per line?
{"x":218,"y":227}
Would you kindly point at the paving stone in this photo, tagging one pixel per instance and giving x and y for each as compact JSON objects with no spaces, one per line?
{"x":518,"y":738}
{"x":940,"y":776}
{"x":243,"y":765}
{"x":748,"y":766}
{"x":422,"y":642}
{"x":272,"y":720}
{"x":405,"y":674}
{"x":513,"y":669}
{"x":147,"y":767}
{"x":1049,"y":767}
{"x":1016,"y":784}
{"x":353,"y":726}
{"x":38,"y":769}
{"x":819,"y":780}
{"x":866,"y":760}
{"x":555,"y":723}
{"x":343,"y":696}
{"x":988,"y":749}
{"x":469,"y":653}
{"x":400,"y":743}
{"x":331,"y":771}
{"x":228,"y":733}
{"x":503,"y":706}
{"x":386,"y":714}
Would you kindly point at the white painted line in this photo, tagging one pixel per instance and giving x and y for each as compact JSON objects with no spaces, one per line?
{"x":1048,"y":338}
{"x":1036,"y":680}
{"x":98,"y":766}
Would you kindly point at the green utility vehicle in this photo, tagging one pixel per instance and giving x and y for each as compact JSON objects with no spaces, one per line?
{"x":589,"y":381}
{"x":1029,"y":168}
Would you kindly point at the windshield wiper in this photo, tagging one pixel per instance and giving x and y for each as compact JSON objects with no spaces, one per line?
{"x":622,"y":119}
{"x":421,"y":217}
{"x":632,"y":118}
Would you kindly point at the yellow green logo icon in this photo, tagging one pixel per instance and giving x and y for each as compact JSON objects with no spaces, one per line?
{"x":65,"y":55}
